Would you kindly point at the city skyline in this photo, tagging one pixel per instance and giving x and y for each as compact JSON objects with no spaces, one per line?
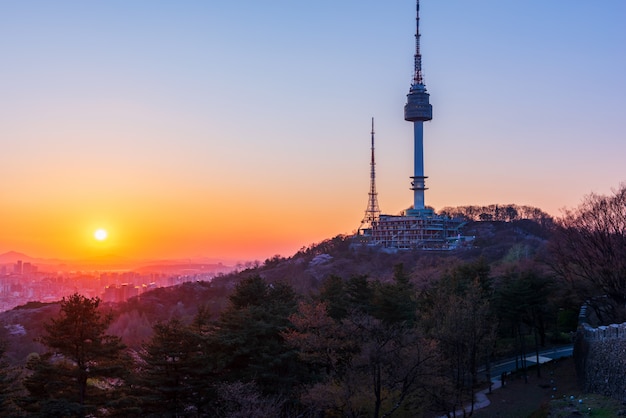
{"x":242,"y":130}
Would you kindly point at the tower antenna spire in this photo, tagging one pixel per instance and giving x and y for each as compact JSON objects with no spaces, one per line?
{"x":418,"y":77}
{"x":372,"y":213}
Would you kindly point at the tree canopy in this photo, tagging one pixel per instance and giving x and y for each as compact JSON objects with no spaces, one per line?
{"x":589,"y":253}
{"x":84,"y":367}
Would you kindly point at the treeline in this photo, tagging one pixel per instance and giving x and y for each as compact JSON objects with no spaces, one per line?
{"x":358,"y":347}
{"x":505,"y":213}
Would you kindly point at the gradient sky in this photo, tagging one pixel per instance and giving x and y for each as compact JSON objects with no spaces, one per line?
{"x":240,"y":129}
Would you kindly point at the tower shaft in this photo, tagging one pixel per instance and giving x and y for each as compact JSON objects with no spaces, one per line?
{"x":372,"y":212}
{"x":418,"y":110}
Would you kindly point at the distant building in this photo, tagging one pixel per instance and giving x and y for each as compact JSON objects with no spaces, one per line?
{"x":120,"y":293}
{"x":17,"y":269}
{"x":28,"y":268}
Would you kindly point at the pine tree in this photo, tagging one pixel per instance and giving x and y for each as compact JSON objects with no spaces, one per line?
{"x":176,"y":376}
{"x":395,"y":303}
{"x":8,"y":384}
{"x":248,"y":336}
{"x":333,"y":294}
{"x":84,"y":368}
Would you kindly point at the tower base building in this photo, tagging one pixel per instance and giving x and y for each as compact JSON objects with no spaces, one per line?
{"x":417,"y":231}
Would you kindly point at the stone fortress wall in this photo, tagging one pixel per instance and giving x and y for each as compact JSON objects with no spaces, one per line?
{"x":600,"y":357}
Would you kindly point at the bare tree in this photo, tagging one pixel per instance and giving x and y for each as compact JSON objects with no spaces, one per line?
{"x":589,"y":252}
{"x":245,"y":400}
{"x":465,"y":329}
{"x":366,"y":367}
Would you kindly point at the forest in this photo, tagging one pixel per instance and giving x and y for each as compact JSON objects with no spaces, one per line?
{"x":337,"y":330}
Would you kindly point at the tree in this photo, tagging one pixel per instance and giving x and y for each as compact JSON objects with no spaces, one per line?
{"x":394,"y":370}
{"x":589,"y":253}
{"x":457,"y":312}
{"x":324,"y":344}
{"x":333,"y":294}
{"x":247,"y":339}
{"x":522,"y":300}
{"x":363,"y":367}
{"x":8,"y":384}
{"x":51,"y":387}
{"x":395,"y":302}
{"x":171,"y":371}
{"x":359,"y":294}
{"x":244,"y":400}
{"x":84,"y":368}
{"x":366,"y":353}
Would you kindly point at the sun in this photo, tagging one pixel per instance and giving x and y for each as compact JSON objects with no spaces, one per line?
{"x":100,"y":234}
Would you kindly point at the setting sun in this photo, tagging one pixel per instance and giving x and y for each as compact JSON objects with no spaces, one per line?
{"x":100,"y":234}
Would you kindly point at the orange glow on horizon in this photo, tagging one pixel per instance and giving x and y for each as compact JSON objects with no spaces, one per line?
{"x":173,"y":154}
{"x":151,"y":227}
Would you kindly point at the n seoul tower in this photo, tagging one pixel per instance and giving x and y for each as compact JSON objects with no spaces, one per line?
{"x":418,"y":228}
{"x":418,"y":110}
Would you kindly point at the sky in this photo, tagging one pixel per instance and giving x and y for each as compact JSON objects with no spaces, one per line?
{"x":241,"y":129}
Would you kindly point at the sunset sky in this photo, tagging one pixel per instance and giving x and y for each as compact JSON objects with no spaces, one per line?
{"x":241,"y":129}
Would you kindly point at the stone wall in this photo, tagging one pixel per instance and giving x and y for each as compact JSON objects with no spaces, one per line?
{"x":600,"y":356}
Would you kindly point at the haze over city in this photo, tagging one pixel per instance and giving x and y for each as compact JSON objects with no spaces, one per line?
{"x":240,"y":130}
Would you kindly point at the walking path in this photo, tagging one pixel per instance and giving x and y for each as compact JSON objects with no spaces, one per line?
{"x":507,"y":366}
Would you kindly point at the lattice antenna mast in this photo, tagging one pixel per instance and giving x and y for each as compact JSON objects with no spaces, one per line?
{"x":372,"y":212}
{"x":418,"y":76}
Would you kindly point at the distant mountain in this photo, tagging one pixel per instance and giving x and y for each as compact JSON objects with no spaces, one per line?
{"x":110,"y":262}
{"x":14,"y":256}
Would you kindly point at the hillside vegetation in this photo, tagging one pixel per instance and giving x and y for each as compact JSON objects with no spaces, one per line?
{"x":338,"y":329}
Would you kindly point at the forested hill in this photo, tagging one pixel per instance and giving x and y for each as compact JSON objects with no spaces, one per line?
{"x":338,"y":329}
{"x":498,"y":243}
{"x":326,"y":332}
